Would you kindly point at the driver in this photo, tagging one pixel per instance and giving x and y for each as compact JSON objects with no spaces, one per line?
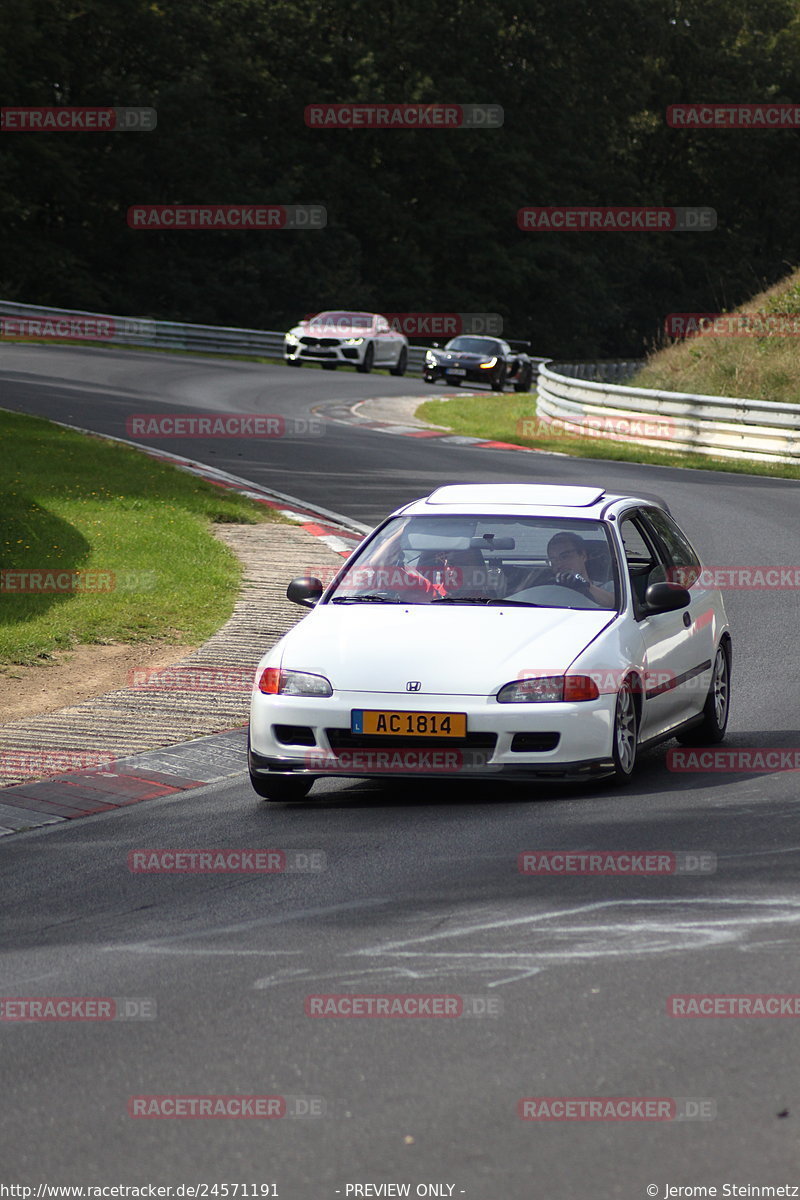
{"x":568,"y":556}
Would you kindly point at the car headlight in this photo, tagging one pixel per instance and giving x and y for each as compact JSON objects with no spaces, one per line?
{"x":487,"y":365}
{"x":353,"y":341}
{"x":275,"y":682}
{"x":550,"y":689}
{"x":430,"y":359}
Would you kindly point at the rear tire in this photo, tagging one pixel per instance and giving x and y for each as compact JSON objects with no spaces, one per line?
{"x":402,"y":362}
{"x":365,"y":367}
{"x":281,"y":787}
{"x":717,"y":705}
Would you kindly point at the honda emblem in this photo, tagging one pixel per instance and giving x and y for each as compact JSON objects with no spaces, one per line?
{"x":413,"y":685}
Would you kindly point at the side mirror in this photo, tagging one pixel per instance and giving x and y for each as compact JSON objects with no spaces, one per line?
{"x":305,"y":590}
{"x":665,"y":597}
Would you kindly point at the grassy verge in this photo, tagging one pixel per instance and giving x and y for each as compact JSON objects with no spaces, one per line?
{"x":75,"y":503}
{"x":499,"y":419}
{"x":756,"y":368}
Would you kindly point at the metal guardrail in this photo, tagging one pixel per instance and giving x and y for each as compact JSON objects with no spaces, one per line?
{"x":679,"y":421}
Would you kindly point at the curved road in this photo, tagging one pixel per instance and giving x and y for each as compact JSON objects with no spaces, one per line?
{"x":420,"y":894}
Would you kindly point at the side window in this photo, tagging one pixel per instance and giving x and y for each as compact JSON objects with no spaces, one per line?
{"x":642,"y":559}
{"x":685,"y":566}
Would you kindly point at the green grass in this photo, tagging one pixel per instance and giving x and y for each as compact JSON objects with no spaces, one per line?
{"x":498,"y":419}
{"x":755,"y":368}
{"x":69,"y":501}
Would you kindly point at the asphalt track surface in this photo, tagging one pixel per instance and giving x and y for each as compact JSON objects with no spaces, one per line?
{"x":420,"y":894}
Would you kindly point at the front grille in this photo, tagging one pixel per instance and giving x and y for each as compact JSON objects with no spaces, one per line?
{"x":294,"y":735}
{"x":344,"y":739}
{"x":531,"y":743}
{"x":309,"y":341}
{"x":318,"y":353}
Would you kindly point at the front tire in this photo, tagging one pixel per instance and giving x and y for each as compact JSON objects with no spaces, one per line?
{"x":365,"y":367}
{"x":499,"y":381}
{"x":281,"y":787}
{"x":524,"y":384}
{"x":402,"y":362}
{"x":717,"y":705}
{"x":625,"y":737}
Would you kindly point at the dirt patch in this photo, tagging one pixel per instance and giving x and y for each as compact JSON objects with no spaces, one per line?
{"x":78,"y":674}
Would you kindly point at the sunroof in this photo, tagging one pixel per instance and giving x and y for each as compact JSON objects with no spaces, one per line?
{"x":535,"y":494}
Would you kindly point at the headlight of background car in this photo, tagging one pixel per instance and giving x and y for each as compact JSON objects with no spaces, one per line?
{"x":487,"y":365}
{"x":290,"y":337}
{"x":353,"y":341}
{"x":550,"y":689}
{"x":274,"y":682}
{"x":430,"y":359}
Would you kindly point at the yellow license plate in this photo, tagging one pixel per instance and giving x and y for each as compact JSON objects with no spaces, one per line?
{"x":408,"y":724}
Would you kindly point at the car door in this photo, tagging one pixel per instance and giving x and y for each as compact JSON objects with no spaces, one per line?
{"x":384,"y":343}
{"x":667,"y":637}
{"x":684,"y":567}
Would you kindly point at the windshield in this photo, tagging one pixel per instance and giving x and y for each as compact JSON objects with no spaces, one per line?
{"x":544,"y":562}
{"x":475,"y":345}
{"x":349,"y":320}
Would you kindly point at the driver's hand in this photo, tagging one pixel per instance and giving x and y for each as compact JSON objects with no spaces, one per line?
{"x":574,"y":581}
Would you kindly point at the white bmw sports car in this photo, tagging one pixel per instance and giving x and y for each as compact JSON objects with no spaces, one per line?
{"x":496,"y":630}
{"x":355,"y":339}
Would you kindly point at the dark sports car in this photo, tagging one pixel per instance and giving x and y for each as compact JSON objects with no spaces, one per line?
{"x":479,"y":360}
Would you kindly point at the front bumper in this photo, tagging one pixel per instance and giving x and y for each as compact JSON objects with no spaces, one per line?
{"x":580,"y":736}
{"x":326,"y":353}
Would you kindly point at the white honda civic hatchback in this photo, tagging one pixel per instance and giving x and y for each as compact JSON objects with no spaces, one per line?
{"x":520,"y":631}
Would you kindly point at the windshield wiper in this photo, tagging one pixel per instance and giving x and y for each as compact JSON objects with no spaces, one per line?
{"x":367,"y":598}
{"x":462,"y":600}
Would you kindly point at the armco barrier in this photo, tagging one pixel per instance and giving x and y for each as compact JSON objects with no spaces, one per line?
{"x":714,"y":425}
